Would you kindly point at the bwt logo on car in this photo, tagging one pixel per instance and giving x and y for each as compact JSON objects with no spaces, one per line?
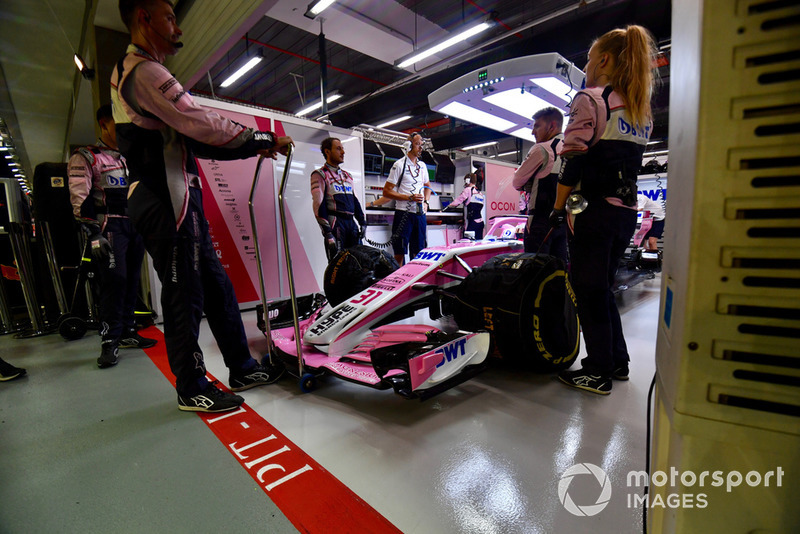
{"x":429,"y":256}
{"x":453,"y":350}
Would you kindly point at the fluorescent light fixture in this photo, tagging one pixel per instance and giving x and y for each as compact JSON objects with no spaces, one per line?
{"x":476,"y":116}
{"x":394,"y":121}
{"x":556,"y":87}
{"x":471,"y":147}
{"x":435,"y":49}
{"x":524,"y":133}
{"x":317,"y":7}
{"x":308,"y":109}
{"x":523,"y":104}
{"x":4,"y":148}
{"x":241,"y":72}
{"x":85,"y":71}
{"x":507,"y":153}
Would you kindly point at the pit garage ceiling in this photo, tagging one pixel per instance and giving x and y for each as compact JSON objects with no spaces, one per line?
{"x":49,"y":107}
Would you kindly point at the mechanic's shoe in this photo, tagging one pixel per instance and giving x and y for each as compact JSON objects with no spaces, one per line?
{"x":620,"y":372}
{"x":211,"y":400}
{"x":132,"y":340}
{"x":109,"y":354}
{"x":582,"y":380}
{"x":259,"y":375}
{"x":9,"y":372}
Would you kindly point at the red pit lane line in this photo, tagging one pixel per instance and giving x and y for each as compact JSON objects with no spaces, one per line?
{"x":308,"y":495}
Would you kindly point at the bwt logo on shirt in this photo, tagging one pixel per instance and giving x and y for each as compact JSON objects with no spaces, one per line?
{"x":627,"y":129}
{"x":451,"y":351}
{"x":339,"y":188}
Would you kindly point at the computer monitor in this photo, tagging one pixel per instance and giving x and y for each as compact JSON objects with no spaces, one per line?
{"x":427,"y":158}
{"x":373,"y":158}
{"x":445,"y":169}
{"x":391,"y":153}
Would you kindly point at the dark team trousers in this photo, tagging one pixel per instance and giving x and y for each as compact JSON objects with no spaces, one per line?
{"x":602,"y":233}
{"x":476,"y":227}
{"x":193,"y":282}
{"x":556,"y":244}
{"x":411,"y":231}
{"x":346,"y":232}
{"x":119,"y":277}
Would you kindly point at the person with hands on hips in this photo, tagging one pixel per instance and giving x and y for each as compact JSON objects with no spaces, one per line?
{"x":408,"y":185}
{"x":335,"y":204}
{"x":98,"y":189}
{"x":610,"y":124}
{"x":161,"y":130}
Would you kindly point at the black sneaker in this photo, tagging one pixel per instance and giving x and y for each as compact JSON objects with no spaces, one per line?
{"x":211,"y":400}
{"x":620,"y":372}
{"x":132,"y":340}
{"x":582,"y":380}
{"x":259,"y":375}
{"x":109,"y":355}
{"x":9,"y":372}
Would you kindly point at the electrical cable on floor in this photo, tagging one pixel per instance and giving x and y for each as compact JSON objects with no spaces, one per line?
{"x":647,"y":456}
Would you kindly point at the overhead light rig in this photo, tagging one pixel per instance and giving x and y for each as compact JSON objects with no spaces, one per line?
{"x":505,"y":95}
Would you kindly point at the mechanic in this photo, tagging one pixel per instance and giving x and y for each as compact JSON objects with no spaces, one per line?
{"x":98,"y":188}
{"x":161,"y":129}
{"x":610,"y":124}
{"x":538,"y":177}
{"x":409,"y":186}
{"x":658,"y":213}
{"x":474,"y":200}
{"x":334,"y":201}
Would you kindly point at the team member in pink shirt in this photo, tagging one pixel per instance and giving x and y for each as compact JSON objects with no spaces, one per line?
{"x":609,"y":126}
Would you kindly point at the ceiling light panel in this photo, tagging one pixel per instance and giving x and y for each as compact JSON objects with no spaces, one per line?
{"x":308,"y":109}
{"x":242,"y":71}
{"x":476,"y":116}
{"x":505,"y":95}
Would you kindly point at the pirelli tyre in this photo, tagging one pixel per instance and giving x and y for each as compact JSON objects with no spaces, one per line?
{"x":355,"y":269}
{"x":526,"y":302}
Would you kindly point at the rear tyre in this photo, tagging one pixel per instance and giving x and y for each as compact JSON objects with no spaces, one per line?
{"x":527,"y":303}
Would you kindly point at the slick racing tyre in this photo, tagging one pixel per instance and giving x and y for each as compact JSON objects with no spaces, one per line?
{"x":526,"y":302}
{"x":355,"y":269}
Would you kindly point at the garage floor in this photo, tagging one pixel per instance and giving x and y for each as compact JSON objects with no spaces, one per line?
{"x":90,"y":450}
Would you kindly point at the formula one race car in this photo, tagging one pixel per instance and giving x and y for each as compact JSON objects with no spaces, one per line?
{"x":375,"y":338}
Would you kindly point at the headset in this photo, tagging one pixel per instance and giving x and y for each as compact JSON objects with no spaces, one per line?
{"x":170,"y":41}
{"x":407,"y":142}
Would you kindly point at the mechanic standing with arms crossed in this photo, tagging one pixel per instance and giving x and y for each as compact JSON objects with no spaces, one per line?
{"x":334,"y":201}
{"x":160,"y":130}
{"x":610,"y":124}
{"x":409,"y":186}
{"x":98,"y":191}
